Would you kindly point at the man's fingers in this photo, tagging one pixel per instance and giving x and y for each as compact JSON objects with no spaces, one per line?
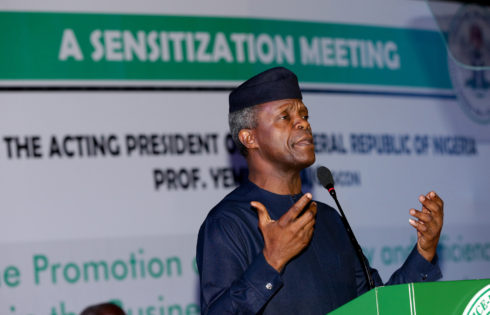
{"x":262,"y":212}
{"x":431,"y":202}
{"x":420,"y":226}
{"x":296,"y":209}
{"x":428,"y":204}
{"x":309,"y":226}
{"x":426,"y":224}
{"x":308,"y":216}
{"x":422,"y":216}
{"x":435,"y":197}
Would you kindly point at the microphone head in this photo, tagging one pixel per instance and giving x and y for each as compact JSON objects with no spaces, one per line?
{"x":325,"y":177}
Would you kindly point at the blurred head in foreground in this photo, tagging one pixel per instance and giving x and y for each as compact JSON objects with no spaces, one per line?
{"x":103,"y":309}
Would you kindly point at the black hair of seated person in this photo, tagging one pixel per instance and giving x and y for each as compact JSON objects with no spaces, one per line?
{"x":103,"y":309}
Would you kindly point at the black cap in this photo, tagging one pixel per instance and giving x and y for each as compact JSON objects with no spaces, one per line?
{"x":274,"y":84}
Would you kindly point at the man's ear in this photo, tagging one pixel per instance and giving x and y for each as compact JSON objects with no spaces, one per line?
{"x":247,"y":138}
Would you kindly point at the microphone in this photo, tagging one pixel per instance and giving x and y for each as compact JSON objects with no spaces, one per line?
{"x":326,"y":180}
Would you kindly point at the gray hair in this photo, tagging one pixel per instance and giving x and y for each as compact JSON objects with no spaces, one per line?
{"x":242,"y":119}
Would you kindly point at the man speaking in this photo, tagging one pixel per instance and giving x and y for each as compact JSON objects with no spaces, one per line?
{"x":267,"y":248}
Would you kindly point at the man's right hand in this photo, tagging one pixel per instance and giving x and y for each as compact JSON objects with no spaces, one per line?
{"x":286,"y":237}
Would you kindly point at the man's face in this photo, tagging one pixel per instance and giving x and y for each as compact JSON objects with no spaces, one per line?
{"x":283,"y":134}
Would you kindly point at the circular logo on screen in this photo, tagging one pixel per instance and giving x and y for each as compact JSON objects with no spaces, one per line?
{"x":480,"y":303}
{"x":469,"y":60}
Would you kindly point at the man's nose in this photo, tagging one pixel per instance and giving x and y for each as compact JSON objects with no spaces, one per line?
{"x":302,"y":123}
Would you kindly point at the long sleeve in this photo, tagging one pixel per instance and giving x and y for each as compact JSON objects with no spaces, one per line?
{"x":415,"y":269}
{"x":242,"y":285}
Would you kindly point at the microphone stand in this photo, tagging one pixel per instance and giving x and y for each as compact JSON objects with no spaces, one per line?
{"x":353,"y":240}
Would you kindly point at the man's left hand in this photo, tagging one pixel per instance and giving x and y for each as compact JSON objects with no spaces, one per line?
{"x":429,"y":224}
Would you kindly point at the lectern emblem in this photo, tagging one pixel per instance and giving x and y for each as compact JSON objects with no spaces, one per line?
{"x":480,"y":303}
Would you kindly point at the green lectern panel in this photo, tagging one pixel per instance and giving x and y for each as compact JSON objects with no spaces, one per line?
{"x":395,"y":300}
{"x":451,"y":297}
{"x":467,"y":297}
